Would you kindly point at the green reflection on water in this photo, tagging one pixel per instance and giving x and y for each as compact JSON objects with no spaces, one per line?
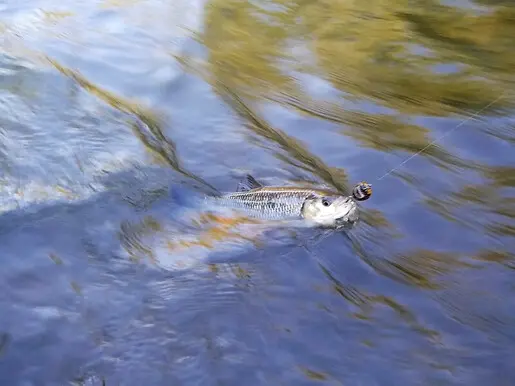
{"x":390,"y":53}
{"x":406,"y":59}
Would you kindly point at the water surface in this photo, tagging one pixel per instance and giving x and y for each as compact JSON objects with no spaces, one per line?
{"x":113,"y":114}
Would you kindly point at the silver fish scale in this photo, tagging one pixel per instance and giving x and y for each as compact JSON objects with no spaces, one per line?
{"x":274,"y":204}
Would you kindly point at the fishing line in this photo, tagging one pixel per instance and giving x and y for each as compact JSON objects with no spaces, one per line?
{"x":442,"y":136}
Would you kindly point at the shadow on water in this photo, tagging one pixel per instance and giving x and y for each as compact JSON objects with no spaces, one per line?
{"x":100,"y":252}
{"x":305,"y":92}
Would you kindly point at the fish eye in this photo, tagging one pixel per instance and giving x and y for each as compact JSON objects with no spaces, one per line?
{"x":325,"y":202}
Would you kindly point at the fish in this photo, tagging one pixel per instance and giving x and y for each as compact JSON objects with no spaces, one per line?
{"x":317,"y":207}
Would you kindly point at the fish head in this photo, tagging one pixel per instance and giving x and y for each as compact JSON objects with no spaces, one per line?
{"x":331,"y":210}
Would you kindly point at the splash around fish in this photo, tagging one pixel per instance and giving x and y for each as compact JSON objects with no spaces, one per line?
{"x":312,"y":206}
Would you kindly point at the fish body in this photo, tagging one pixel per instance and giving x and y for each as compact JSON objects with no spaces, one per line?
{"x":318,"y":206}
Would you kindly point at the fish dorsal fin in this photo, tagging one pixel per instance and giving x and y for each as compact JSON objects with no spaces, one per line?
{"x":248,"y":183}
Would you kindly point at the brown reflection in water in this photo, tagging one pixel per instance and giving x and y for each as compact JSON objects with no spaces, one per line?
{"x":384,"y":132}
{"x":215,"y":229}
{"x":368,"y":303}
{"x":387,"y":55}
{"x":506,"y":258}
{"x":425,"y":268}
{"x":492,"y":201}
{"x":313,"y":375}
{"x":474,"y":304}
{"x":147,"y":127}
{"x":505,"y":131}
{"x":5,"y":340}
{"x":368,"y":51}
{"x":131,"y":237}
{"x":205,"y":231}
{"x":488,"y":208}
{"x":244,"y":43}
{"x":299,"y":155}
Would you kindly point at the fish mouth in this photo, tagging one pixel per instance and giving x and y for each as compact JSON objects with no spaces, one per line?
{"x":344,"y":222}
{"x":349,"y":218}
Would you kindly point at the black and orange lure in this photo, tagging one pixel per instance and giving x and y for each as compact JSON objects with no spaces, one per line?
{"x":362,"y":191}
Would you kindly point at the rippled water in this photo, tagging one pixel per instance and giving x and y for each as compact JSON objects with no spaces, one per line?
{"x":113,"y":114}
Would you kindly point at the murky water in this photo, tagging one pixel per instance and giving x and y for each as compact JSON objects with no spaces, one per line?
{"x":113,"y":114}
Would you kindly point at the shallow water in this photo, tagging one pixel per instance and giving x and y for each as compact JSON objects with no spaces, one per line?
{"x":114,"y":114}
